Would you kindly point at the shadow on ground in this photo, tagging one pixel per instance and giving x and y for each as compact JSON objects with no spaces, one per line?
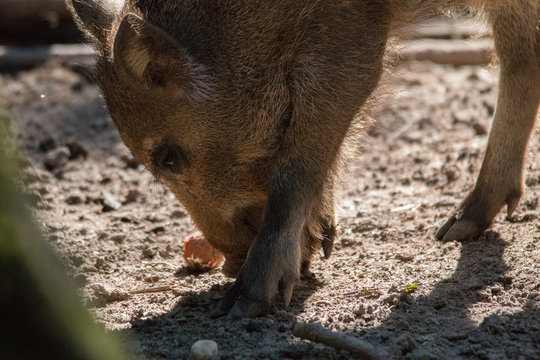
{"x":413,"y":323}
{"x":416,"y":322}
{"x":181,"y":326}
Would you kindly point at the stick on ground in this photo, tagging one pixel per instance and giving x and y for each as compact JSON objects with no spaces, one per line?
{"x":152,"y":290}
{"x":315,"y":332}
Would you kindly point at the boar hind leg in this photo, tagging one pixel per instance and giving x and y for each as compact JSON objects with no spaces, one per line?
{"x":517,"y":42}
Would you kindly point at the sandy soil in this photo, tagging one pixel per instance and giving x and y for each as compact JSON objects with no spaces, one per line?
{"x":118,"y":231}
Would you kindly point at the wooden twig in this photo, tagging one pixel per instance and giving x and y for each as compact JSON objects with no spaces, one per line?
{"x":448,"y":28}
{"x":453,"y":52}
{"x":152,"y":290}
{"x":315,"y":332}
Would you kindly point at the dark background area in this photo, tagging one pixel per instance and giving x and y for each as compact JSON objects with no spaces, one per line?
{"x":35,"y":22}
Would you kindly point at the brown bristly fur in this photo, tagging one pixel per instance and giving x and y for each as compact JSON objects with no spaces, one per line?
{"x":244,"y":109}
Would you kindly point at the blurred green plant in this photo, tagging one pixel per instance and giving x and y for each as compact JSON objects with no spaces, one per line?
{"x":41,"y":316}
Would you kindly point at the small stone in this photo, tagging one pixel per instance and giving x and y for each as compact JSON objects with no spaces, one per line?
{"x":77,"y":260}
{"x":107,"y":294}
{"x":158,"y":229}
{"x":493,"y":325}
{"x":149,"y":252}
{"x":118,"y":238}
{"x":89,"y":269}
{"x":132,"y":196}
{"x":536,"y":337}
{"x":76,"y":150}
{"x":109,"y":202}
{"x":178,"y":214}
{"x":77,"y":86}
{"x":130,"y":162}
{"x":100,"y":263}
{"x":483,"y":295}
{"x":479,"y":129}
{"x":420,"y":354}
{"x":56,"y":158}
{"x":439,"y":304}
{"x":405,"y":298}
{"x":390,"y":299}
{"x":80,"y":280}
{"x":403,"y":325}
{"x":406,"y":343}
{"x":496,"y":290}
{"x":360,"y":310}
{"x":532,"y":181}
{"x":451,"y":173}
{"x":75,"y":197}
{"x":490,"y":109}
{"x":404,"y":257}
{"x":456,"y":336}
{"x":47,"y":144}
{"x":293,"y":353}
{"x":204,"y":350}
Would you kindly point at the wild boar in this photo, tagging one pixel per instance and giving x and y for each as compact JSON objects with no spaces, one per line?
{"x":241,"y":108}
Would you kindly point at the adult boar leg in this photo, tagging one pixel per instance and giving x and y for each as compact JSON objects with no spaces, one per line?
{"x":305,"y":158}
{"x":500,"y":182}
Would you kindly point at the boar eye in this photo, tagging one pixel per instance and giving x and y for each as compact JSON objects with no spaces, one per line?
{"x":169,"y":157}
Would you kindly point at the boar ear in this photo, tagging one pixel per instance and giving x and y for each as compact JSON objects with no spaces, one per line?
{"x":147,"y":54}
{"x":95,"y":17}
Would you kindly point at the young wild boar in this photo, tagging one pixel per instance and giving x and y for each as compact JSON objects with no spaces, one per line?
{"x":241,"y":108}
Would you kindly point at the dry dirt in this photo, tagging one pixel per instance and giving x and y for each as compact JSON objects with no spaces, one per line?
{"x":119,"y":231}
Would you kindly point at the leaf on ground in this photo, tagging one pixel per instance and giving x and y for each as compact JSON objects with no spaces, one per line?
{"x":411,"y":288}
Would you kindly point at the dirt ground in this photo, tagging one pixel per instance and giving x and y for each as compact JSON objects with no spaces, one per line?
{"x":119,"y":231}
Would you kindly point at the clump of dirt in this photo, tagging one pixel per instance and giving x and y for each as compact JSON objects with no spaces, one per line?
{"x":388,"y":282}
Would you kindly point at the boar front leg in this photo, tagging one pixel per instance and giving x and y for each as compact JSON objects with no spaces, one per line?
{"x":306,"y":154}
{"x":517,"y":42}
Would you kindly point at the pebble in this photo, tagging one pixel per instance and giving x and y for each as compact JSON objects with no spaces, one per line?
{"x":360,"y":310}
{"x":56,"y":158}
{"x":132,"y":196}
{"x":439,"y":303}
{"x":178,"y":214}
{"x":118,"y":238}
{"x":456,"y":336}
{"x":405,"y":297}
{"x":47,"y":144}
{"x":80,"y":280}
{"x":130,"y":162}
{"x":109,"y":294}
{"x":75,"y":197}
{"x":204,"y":350}
{"x":109,"y":202}
{"x":76,"y":150}
{"x":77,"y":260}
{"x":390,"y":299}
{"x":536,"y":337}
{"x":406,"y":343}
{"x":479,"y":129}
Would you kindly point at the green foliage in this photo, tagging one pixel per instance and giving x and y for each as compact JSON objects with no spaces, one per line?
{"x":45,"y":319}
